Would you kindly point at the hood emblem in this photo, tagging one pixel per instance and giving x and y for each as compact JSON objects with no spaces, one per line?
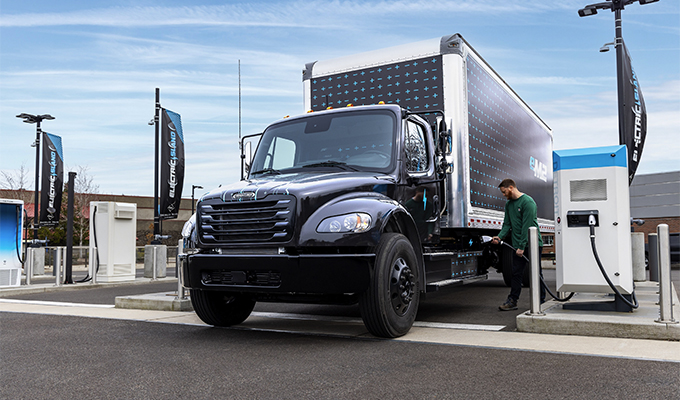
{"x":243,"y":196}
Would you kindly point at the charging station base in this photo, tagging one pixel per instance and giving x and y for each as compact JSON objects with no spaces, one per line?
{"x":616,"y":305}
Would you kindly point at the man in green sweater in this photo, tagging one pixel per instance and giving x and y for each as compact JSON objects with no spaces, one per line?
{"x":520,"y":214}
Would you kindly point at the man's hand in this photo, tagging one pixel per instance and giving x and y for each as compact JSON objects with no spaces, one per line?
{"x":495,"y":240}
{"x":520,"y":253}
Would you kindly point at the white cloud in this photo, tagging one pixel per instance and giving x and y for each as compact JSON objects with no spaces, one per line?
{"x":581,"y":121}
{"x":297,"y":14}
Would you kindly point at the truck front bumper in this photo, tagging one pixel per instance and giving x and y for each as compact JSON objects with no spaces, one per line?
{"x":313,"y":273}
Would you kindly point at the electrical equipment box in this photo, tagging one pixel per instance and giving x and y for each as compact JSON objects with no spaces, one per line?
{"x":11,"y":221}
{"x":591,"y":188}
{"x":113,"y":231}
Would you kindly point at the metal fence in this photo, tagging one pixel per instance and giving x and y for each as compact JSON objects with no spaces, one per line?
{"x":81,"y":255}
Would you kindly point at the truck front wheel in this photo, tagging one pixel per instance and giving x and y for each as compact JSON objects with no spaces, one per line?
{"x":221,"y":308}
{"x":388,"y":308}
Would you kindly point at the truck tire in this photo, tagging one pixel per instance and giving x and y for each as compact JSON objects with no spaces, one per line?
{"x":389,"y":306}
{"x":221,"y":308}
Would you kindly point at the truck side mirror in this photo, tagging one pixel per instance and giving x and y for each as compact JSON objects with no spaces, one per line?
{"x":246,"y":146}
{"x":442,"y":128}
{"x":247,"y":157}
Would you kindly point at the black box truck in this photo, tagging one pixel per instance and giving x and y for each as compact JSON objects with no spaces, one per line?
{"x":378,"y":195}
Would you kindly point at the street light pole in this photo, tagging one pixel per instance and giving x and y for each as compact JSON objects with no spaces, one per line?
{"x":36,"y":119}
{"x":616,"y":6}
{"x":619,"y":71}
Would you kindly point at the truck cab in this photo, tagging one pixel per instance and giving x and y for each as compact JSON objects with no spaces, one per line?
{"x":339,"y":206}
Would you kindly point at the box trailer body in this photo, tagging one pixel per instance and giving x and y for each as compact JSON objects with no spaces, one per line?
{"x":495,"y":134}
{"x":379,"y":194}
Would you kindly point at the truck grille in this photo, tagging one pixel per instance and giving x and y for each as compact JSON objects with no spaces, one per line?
{"x":242,"y":278}
{"x":260,"y":221}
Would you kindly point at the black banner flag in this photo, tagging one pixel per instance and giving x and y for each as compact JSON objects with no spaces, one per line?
{"x":52,"y":181}
{"x":634,"y":114}
{"x":172,"y":164}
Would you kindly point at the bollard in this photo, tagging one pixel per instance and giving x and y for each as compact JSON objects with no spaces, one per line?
{"x":653,"y":257}
{"x":665,"y":284}
{"x":29,"y":265}
{"x":153,"y":264}
{"x":56,"y":268}
{"x":535,"y":259}
{"x":638,"y":248}
{"x":180,"y":289}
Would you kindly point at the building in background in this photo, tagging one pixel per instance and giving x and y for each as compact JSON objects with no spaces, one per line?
{"x":655,"y":198}
{"x":172,"y":227}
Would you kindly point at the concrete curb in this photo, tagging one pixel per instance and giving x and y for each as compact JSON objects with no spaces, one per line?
{"x":640,"y":324}
{"x":51,"y":287}
{"x":166,"y":301}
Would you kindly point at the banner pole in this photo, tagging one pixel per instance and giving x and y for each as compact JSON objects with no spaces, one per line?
{"x":156,"y":216}
{"x":36,"y":201}
{"x":68,"y":272}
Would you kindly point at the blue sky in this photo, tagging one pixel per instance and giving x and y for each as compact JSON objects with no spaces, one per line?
{"x":95,"y":66}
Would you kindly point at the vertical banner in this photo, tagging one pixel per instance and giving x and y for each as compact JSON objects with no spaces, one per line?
{"x":52,"y":182}
{"x":634,"y":115}
{"x":171,"y":164}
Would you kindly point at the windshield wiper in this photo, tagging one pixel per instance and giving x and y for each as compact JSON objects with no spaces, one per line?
{"x":267,"y":171}
{"x":331,"y":163}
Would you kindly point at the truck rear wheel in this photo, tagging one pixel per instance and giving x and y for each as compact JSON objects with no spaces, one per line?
{"x":389,"y":306}
{"x":221,"y":308}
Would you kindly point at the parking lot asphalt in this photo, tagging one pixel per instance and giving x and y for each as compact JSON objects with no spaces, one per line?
{"x":71,"y":342}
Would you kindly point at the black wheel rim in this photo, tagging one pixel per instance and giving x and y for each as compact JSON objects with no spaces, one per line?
{"x":402,"y":286}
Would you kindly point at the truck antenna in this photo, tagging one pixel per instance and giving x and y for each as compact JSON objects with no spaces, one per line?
{"x":239,"y":102}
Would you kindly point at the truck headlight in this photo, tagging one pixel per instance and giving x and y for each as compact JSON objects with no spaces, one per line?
{"x":354,"y":222}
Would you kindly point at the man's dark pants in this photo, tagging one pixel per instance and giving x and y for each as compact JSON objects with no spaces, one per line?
{"x":518,"y":265}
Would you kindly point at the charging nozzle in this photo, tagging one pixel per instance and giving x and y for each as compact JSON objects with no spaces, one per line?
{"x":592,"y":221}
{"x":489,"y":239}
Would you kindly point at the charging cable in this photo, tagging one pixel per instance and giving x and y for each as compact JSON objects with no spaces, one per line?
{"x":487,"y":239}
{"x":94,"y":234}
{"x":591,"y":223}
{"x":19,"y":229}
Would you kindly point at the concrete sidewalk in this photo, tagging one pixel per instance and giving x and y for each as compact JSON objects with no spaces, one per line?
{"x":47,"y":284}
{"x":639,"y":324}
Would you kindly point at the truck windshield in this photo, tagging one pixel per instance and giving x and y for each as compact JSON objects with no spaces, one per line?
{"x":357,"y":141}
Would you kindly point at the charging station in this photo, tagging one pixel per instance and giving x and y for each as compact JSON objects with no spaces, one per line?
{"x":592,"y":217}
{"x":113,"y":231}
{"x":11,"y":221}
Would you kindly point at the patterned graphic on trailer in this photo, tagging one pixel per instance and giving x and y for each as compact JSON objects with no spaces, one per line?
{"x":415,"y":85}
{"x":496,"y":122}
{"x":504,"y":143}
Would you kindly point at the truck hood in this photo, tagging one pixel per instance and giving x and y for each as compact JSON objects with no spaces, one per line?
{"x":315,"y":186}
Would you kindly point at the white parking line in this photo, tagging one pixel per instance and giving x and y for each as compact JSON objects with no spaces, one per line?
{"x":55,"y":303}
{"x":420,"y":324}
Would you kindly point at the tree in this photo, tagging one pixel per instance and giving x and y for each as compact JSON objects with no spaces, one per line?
{"x":16,"y":183}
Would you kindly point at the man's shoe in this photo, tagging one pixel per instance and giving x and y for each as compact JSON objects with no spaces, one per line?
{"x":508,"y":305}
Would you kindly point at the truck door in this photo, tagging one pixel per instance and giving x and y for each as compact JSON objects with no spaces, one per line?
{"x":420,"y":195}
